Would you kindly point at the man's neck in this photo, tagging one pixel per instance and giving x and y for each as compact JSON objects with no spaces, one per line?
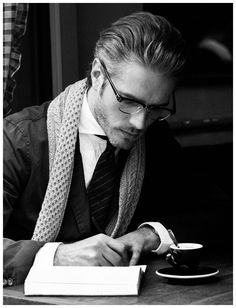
{"x":88,"y":123}
{"x":91,"y":99}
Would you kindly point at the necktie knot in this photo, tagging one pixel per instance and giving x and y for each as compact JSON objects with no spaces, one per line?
{"x":109,"y":148}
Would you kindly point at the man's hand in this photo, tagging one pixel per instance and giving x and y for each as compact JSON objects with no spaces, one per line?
{"x":98,"y":250}
{"x":138,"y":242}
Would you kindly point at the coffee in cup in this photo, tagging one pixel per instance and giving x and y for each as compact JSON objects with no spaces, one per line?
{"x":185,"y":254}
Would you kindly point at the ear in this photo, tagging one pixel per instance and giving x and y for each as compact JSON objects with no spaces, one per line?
{"x":97,"y":76}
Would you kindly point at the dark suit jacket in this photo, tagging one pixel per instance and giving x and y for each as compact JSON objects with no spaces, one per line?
{"x":26,"y":176}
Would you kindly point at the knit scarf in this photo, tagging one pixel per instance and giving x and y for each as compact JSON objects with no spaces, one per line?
{"x":62,"y":127}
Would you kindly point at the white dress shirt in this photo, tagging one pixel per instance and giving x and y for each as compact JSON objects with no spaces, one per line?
{"x":91,"y":147}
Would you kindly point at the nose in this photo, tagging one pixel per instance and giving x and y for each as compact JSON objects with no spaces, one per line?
{"x":137,"y":120}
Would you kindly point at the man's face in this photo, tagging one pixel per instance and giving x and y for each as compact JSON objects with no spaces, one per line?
{"x":137,"y":82}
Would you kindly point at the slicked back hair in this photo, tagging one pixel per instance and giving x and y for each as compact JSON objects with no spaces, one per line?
{"x":143,"y":38}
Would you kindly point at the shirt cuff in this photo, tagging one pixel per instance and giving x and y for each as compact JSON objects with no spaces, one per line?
{"x":165,"y":239}
{"x":45,"y":255}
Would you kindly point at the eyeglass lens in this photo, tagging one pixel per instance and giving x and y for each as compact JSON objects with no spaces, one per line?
{"x":131,"y":107}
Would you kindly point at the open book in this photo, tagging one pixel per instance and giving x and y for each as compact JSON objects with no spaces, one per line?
{"x":84,"y":280}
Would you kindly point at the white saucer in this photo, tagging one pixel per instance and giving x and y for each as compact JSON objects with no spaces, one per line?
{"x":183,"y":273}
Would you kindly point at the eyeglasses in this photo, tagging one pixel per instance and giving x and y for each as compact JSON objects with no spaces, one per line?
{"x":132,"y":106}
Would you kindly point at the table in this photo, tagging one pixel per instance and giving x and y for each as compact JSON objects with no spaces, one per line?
{"x":155,"y":290}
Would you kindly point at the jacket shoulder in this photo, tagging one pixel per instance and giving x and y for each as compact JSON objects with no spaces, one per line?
{"x":31,"y":114}
{"x":27,"y":128}
{"x":30,"y":123}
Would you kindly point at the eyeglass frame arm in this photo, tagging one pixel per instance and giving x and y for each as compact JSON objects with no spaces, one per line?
{"x":120,"y":98}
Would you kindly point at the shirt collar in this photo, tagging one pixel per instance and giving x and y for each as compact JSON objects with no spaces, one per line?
{"x":88,"y":124}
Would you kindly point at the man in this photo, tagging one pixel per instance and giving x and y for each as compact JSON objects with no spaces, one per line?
{"x":52,"y":152}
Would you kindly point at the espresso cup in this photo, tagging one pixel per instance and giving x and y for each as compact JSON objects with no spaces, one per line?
{"x":186,"y":254}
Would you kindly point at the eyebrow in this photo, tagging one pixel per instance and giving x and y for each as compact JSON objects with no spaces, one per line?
{"x":130,"y":96}
{"x":127,"y":95}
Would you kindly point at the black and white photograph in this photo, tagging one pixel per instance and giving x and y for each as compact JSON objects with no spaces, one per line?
{"x":117,"y":153}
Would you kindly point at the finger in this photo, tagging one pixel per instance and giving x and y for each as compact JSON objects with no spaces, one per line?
{"x":104,"y":262}
{"x":114,"y":258}
{"x":135,"y":257}
{"x":110,"y":261}
{"x":119,"y":248}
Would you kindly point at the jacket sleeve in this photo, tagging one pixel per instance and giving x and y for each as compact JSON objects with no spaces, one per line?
{"x":18,"y":256}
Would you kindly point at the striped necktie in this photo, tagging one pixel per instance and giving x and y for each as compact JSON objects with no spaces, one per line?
{"x":101,"y":187}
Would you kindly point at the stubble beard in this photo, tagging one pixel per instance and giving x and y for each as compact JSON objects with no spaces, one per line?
{"x":104,"y":123}
{"x":112,"y":133}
